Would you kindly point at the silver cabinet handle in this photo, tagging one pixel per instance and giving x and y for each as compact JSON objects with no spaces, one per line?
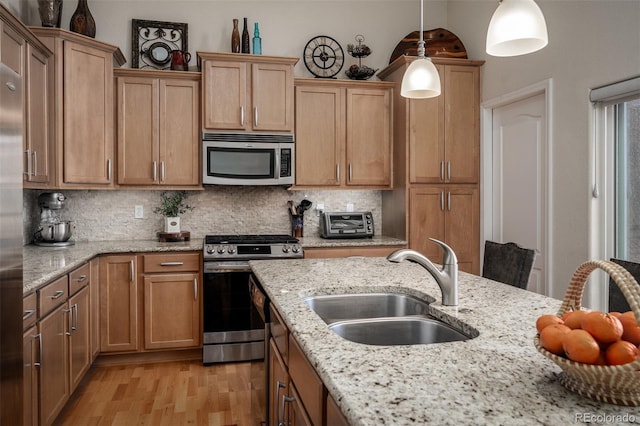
{"x":449,"y":201}
{"x":242,"y":115}
{"x":39,"y":362}
{"x":131,"y":270}
{"x":34,"y":154}
{"x":28,"y":313}
{"x":338,"y":173}
{"x":350,"y":172}
{"x":195,"y":289}
{"x":74,"y":317}
{"x":109,"y":170}
{"x":279,"y":419}
{"x":81,"y":278}
{"x":56,"y":295}
{"x":28,"y":154}
{"x":155,"y":171}
{"x":255,"y":116}
{"x":442,"y":170}
{"x":162,"y":171}
{"x":70,"y":321}
{"x":11,"y":86}
{"x":448,"y":170}
{"x":442,"y":200}
{"x":286,"y":399}
{"x":171,"y":263}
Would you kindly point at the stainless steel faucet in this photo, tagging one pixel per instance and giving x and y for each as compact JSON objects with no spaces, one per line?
{"x":447,"y":277}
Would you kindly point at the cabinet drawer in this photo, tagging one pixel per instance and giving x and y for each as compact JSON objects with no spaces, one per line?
{"x":173,"y":262}
{"x":53,"y":295}
{"x":29,"y":314}
{"x":78,"y":278}
{"x":306,"y":381}
{"x":280,"y":334}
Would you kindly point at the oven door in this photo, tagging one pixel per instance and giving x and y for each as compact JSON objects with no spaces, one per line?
{"x":233,"y":328}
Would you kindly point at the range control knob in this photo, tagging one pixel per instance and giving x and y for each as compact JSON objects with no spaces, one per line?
{"x":285,"y":248}
{"x":210,"y":249}
{"x":295,"y":249}
{"x":231,"y":250}
{"x":221,"y":249}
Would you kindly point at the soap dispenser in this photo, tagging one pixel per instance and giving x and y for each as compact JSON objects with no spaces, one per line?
{"x":257,"y":41}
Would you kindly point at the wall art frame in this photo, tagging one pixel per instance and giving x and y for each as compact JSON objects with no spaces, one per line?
{"x":153,"y":41}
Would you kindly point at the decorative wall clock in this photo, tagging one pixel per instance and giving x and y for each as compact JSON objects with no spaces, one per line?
{"x":153,"y":41}
{"x":323,"y":56}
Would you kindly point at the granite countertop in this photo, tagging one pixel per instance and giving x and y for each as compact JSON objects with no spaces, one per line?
{"x":496,"y":378}
{"x":43,"y":264}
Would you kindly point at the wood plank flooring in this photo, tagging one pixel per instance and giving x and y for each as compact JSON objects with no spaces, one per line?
{"x":170,"y":393}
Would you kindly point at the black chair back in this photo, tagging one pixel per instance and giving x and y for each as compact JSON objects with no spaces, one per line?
{"x":507,"y":263}
{"x":617,"y":302}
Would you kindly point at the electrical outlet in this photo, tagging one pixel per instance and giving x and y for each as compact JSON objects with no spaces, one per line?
{"x":319,"y":209}
{"x":349,"y":207}
{"x":138,"y":212}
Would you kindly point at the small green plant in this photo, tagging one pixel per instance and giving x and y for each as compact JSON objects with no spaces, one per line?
{"x":173,"y":204}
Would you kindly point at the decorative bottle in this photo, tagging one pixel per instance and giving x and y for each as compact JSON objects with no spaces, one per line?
{"x":82,"y":21}
{"x":235,"y":38}
{"x":257,"y":41}
{"x":245,"y":38}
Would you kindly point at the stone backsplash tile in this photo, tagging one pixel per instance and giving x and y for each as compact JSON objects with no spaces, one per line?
{"x":109,"y":215}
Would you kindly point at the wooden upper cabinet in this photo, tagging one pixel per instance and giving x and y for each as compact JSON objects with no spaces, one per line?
{"x":83,"y":113}
{"x":12,"y":48}
{"x":343,"y":134}
{"x":250,"y":93}
{"x":158,"y":132}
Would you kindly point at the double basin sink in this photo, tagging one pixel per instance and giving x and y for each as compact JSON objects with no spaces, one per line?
{"x":383,"y":319}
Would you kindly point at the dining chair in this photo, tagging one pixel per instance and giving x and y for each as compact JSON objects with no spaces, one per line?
{"x":507,"y":263}
{"x":617,"y":301}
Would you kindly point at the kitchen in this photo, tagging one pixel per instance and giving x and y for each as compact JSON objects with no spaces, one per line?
{"x":110,"y":215}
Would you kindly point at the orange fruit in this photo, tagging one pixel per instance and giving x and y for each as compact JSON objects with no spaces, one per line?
{"x":621,"y":352}
{"x":545,"y":320}
{"x":551,"y":338}
{"x":580,"y":346}
{"x":605,"y":328}
{"x":573,"y":319}
{"x":630,"y":330}
{"x":629,"y":315}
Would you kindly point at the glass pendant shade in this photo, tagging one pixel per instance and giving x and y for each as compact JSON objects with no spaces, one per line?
{"x":421,"y":80}
{"x":516,"y":28}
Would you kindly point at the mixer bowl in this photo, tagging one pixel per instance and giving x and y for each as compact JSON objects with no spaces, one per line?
{"x":56,"y":232}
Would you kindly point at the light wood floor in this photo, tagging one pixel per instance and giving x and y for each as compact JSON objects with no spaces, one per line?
{"x":171,"y":393}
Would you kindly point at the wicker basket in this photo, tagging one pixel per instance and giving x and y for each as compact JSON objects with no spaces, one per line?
{"x":614,"y":384}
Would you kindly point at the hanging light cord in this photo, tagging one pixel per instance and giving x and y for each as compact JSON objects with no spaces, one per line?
{"x":421,"y":42}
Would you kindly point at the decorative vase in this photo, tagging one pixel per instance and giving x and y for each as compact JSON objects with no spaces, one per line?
{"x":235,"y":38}
{"x":172,"y":224}
{"x":257,"y":40}
{"x":82,"y":21}
{"x":245,"y":38}
{"x":50,"y":12}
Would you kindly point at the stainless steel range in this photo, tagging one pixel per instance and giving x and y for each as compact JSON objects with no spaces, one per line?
{"x":233,"y":328}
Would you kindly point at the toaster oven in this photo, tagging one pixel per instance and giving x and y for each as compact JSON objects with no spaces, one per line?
{"x":346,"y":225}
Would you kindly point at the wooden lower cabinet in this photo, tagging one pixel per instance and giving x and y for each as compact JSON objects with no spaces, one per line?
{"x":79,"y":336}
{"x":94,"y":300}
{"x":54,"y":363}
{"x":30,"y":376}
{"x":171,"y":310}
{"x":334,"y":415}
{"x":119,"y":303}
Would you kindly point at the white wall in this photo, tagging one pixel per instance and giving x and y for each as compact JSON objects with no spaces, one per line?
{"x":591,"y":43}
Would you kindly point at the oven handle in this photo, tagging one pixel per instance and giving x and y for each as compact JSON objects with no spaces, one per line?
{"x":223,"y":267}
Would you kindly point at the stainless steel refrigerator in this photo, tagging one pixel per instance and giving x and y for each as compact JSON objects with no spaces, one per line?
{"x":11,"y":119}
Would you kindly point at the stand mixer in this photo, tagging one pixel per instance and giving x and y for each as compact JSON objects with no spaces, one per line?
{"x":52,"y":230}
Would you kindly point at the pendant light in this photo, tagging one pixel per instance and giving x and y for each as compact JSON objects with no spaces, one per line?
{"x":421,"y":79}
{"x":517,"y":27}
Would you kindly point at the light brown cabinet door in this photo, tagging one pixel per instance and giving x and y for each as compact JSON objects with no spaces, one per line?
{"x":179,"y":132}
{"x":319,"y":135}
{"x":54,"y":363}
{"x":272,"y":97}
{"x":278,"y":386}
{"x":369,"y":137}
{"x":138,"y":139}
{"x":94,"y":296}
{"x":172,"y":311}
{"x":80,"y":338}
{"x":225,"y":105}
{"x":462,"y":123}
{"x":37,"y":135}
{"x":449,"y":214}
{"x":12,"y":48}
{"x":88,"y":115}
{"x":30,"y":376}
{"x":118,"y":303}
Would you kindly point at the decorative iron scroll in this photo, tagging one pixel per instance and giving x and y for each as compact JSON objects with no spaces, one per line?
{"x":153,"y":41}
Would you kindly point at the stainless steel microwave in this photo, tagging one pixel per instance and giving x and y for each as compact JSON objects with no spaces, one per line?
{"x":248,"y":158}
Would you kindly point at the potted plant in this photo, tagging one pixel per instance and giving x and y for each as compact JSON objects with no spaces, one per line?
{"x":172,"y":205}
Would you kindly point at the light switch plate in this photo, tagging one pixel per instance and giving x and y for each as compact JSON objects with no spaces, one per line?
{"x":138,"y":212}
{"x":349,"y":207}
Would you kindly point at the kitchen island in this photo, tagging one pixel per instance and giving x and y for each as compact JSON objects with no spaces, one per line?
{"x":495,"y":378}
